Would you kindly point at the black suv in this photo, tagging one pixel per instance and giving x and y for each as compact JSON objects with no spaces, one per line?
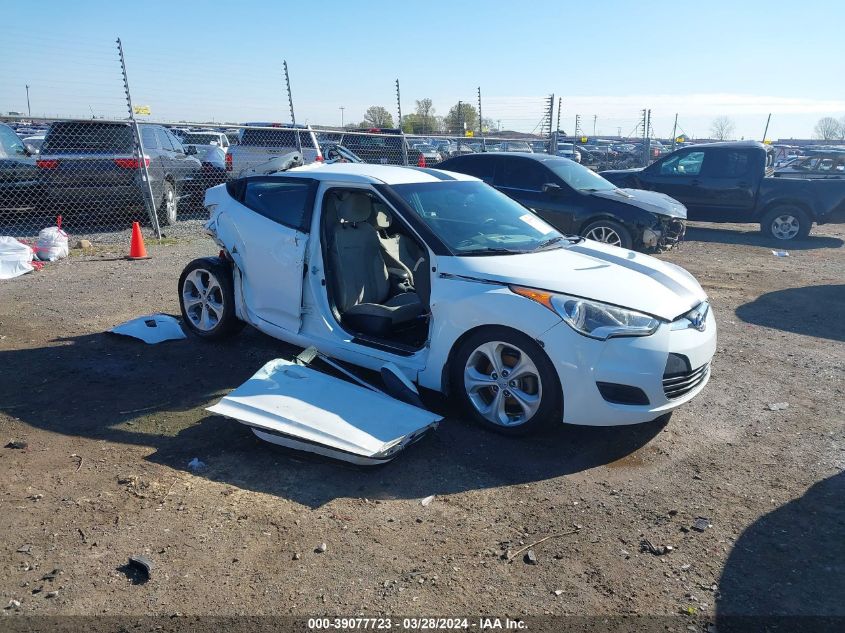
{"x":91,"y":166}
{"x":578,"y":201}
{"x":382,"y":146}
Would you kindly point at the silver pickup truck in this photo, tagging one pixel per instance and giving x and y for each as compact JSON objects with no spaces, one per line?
{"x":260,"y":144}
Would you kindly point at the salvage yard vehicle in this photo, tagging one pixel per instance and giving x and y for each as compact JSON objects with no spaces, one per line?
{"x":817,"y":164}
{"x":575,"y":200}
{"x":460,"y":287}
{"x":261,"y":142}
{"x":91,"y":167}
{"x":19,"y":186}
{"x":729,"y":182}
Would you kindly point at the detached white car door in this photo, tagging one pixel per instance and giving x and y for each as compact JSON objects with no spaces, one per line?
{"x":270,"y":223}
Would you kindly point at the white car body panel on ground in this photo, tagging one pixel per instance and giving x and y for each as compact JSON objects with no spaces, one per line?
{"x":301,"y":408}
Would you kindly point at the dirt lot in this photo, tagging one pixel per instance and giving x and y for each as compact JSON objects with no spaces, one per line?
{"x":111,"y":425}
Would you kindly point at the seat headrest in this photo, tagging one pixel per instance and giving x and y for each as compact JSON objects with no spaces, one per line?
{"x":355,"y":207}
{"x":383,"y":216}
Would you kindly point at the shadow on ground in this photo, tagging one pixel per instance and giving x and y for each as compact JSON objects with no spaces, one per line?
{"x":811,"y":310}
{"x":114,"y":388}
{"x":786,"y":572}
{"x":752,"y":237}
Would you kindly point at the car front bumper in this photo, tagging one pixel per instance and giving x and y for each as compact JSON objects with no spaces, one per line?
{"x":633,"y":362}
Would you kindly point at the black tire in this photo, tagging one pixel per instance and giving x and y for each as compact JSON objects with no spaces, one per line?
{"x":168,"y":206}
{"x":786,"y":220}
{"x":548,"y":388}
{"x":608,"y":227}
{"x":215,"y":270}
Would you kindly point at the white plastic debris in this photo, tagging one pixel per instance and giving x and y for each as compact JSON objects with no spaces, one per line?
{"x":152,"y":329}
{"x":51,"y":244}
{"x":780,"y":253}
{"x":196,"y":465}
{"x":427,"y":500}
{"x":15,"y":258}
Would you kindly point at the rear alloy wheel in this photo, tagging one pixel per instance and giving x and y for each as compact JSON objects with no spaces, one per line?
{"x":506,"y":381}
{"x":168,"y":207}
{"x":786,"y":223}
{"x":608,"y":232}
{"x":207,"y":298}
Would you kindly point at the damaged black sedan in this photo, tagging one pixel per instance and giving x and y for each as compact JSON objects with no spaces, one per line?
{"x":578,"y":201}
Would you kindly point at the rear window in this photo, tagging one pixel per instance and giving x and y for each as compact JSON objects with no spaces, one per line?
{"x":82,"y":136}
{"x":276,"y":138}
{"x":200,"y":139}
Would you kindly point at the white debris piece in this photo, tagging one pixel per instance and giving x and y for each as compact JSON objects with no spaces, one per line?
{"x":427,"y":500}
{"x":15,"y":258}
{"x":152,"y":329}
{"x":302,"y":408}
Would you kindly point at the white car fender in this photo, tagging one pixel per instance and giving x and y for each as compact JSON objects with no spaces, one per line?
{"x":458,"y":306}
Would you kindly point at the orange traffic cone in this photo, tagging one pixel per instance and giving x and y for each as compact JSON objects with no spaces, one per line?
{"x":137,"y":250}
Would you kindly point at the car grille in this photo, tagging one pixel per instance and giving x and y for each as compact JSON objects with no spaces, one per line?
{"x":678,"y":385}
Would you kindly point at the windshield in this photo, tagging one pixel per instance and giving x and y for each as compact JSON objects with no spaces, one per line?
{"x":472,"y":218}
{"x":578,"y":177}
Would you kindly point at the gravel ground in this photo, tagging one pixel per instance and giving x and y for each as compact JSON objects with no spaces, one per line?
{"x":111,"y":424}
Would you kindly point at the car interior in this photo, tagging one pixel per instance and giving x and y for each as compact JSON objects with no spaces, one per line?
{"x":378,"y":283}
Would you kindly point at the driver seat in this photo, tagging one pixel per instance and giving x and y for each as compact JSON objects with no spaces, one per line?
{"x":362,"y":285}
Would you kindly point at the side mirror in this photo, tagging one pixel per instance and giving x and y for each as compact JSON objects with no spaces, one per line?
{"x":190,"y":150}
{"x":551,"y":187}
{"x":31,"y":149}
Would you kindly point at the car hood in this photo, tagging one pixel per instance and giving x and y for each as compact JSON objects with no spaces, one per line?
{"x":590,"y":270}
{"x":647,"y":200}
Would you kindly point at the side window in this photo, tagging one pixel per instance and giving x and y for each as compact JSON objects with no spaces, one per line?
{"x":284,"y":201}
{"x":10,"y":142}
{"x":730,"y":164}
{"x":175,"y":142}
{"x":686,"y":164}
{"x":163,"y":139}
{"x":520,"y":173}
{"x":148,"y":138}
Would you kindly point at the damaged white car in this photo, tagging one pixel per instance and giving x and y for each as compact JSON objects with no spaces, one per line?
{"x":461,"y":288}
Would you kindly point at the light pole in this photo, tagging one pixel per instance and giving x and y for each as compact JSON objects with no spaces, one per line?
{"x":595,"y":118}
{"x":28,"y":108}
{"x":341,"y":116}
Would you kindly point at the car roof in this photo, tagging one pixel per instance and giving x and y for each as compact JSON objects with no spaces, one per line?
{"x":729,"y":144}
{"x":375,"y":174}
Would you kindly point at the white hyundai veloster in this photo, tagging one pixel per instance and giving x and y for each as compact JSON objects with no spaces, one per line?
{"x":463,"y":289}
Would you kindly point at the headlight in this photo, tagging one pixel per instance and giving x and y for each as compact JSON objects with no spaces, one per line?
{"x":593,"y":318}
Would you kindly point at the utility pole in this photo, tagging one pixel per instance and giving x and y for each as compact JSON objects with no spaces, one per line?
{"x":290,"y":96}
{"x":499,"y":125}
{"x":341,"y":116}
{"x":480,"y":131}
{"x":460,"y":115}
{"x":29,"y":109}
{"x":619,"y":133}
{"x":766,"y":131}
{"x":559,"y":106}
{"x":675,"y":132}
{"x":139,"y":148}
{"x":595,"y":118}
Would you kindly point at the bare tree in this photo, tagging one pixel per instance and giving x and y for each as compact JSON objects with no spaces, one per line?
{"x":425,"y":111}
{"x":828,"y":129}
{"x":722,"y":128}
{"x":377,"y":116}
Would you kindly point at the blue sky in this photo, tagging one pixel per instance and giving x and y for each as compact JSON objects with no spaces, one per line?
{"x":222,"y":60}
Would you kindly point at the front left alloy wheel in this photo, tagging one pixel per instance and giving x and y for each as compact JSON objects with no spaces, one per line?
{"x":207,"y":298}
{"x":505,"y":381}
